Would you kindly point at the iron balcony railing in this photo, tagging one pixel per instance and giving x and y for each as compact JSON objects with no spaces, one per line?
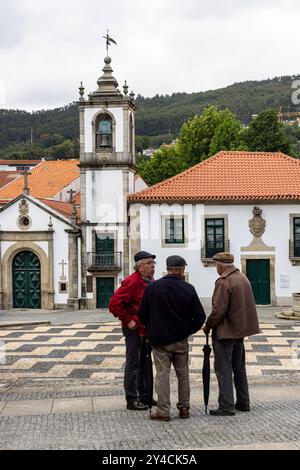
{"x":294,"y":251}
{"x":206,"y":252}
{"x":104,"y":261}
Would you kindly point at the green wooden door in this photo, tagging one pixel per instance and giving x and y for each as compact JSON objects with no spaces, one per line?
{"x":105,"y":289}
{"x":258,"y":273}
{"x":26,"y":280}
{"x":104,"y":250}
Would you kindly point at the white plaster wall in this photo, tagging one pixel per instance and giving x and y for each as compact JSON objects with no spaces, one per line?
{"x":4,"y":247}
{"x":63,"y":196}
{"x":60,"y":252}
{"x":9,"y":217}
{"x":89,"y":114}
{"x":276,"y":234}
{"x":104,"y":200}
{"x":131,"y":182}
{"x":139,"y":184}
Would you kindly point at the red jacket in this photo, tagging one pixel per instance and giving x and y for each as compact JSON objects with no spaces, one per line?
{"x":125,"y":302}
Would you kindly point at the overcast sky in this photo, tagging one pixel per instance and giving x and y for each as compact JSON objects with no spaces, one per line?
{"x":164,"y":46}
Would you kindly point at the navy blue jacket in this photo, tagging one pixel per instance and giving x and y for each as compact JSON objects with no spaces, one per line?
{"x":170,"y":310}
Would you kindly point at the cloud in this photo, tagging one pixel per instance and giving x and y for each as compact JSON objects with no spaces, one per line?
{"x":47,"y":48}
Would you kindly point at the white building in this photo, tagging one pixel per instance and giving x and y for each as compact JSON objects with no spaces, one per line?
{"x":248,"y":203}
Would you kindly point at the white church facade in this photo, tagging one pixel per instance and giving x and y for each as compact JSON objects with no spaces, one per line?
{"x":55,"y":254}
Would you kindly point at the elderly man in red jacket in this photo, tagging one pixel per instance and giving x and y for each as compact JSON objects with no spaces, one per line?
{"x":124,"y":304}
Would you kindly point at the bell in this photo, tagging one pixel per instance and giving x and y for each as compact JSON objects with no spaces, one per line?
{"x":104,"y":140}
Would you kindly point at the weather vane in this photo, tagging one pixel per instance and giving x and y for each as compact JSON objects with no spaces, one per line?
{"x":109,"y":41}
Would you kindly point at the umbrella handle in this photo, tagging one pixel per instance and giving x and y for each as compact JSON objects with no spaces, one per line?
{"x":207,"y":335}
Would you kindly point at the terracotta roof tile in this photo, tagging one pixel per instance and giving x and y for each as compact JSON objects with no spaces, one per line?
{"x":47,"y":179}
{"x":64,"y":208}
{"x":8,"y":176}
{"x":232,"y":176}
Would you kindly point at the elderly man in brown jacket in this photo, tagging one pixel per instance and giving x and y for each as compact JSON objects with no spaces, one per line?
{"x":233,"y":317}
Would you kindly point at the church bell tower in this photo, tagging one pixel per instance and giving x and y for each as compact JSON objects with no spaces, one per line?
{"x":107,"y":169}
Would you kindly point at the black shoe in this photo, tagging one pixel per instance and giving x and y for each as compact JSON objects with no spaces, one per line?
{"x":136,"y":405}
{"x":242,"y":407}
{"x":219,"y":412}
{"x":153,"y":403}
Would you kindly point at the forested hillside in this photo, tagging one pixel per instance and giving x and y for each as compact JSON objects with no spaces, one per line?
{"x":159,"y":117}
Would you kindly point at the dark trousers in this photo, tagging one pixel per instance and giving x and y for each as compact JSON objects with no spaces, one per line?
{"x":134,"y":375}
{"x":230,"y":361}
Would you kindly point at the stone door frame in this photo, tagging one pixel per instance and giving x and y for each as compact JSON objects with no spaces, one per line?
{"x":244,"y":259}
{"x":47,"y":293}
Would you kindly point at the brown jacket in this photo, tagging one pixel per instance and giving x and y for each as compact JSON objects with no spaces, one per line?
{"x":233,"y":313}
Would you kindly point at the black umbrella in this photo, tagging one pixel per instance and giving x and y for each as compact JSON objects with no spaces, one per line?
{"x":147,"y":366}
{"x":206,"y":372}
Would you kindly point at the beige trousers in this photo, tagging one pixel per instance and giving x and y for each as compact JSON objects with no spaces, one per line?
{"x":178,"y":355}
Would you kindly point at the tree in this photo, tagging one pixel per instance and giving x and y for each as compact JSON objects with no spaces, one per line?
{"x":293,"y":134}
{"x":228,"y":135}
{"x":141,"y":143}
{"x":164,"y":163}
{"x":204,"y":135}
{"x":265,"y":134}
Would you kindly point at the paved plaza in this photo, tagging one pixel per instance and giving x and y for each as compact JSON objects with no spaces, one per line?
{"x":61,"y":388}
{"x":97,"y":351}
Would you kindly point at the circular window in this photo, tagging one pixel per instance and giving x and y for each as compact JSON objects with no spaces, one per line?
{"x":24,"y":222}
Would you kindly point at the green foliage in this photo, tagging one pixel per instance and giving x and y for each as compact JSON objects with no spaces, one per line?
{"x":204,"y":135}
{"x":67,"y":149}
{"x":265,"y":134}
{"x":141,"y":143}
{"x":228,"y":135}
{"x":165,"y":163}
{"x":293,"y":134}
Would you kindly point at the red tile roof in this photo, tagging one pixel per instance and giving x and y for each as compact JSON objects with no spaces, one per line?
{"x":8,"y":176}
{"x":64,"y":208}
{"x":231,"y":176}
{"x":46,"y":180}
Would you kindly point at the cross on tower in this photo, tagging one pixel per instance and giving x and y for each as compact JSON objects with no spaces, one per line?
{"x":72,"y":193}
{"x":26,"y":173}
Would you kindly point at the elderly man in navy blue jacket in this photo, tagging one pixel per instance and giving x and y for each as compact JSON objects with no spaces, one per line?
{"x":171,"y":311}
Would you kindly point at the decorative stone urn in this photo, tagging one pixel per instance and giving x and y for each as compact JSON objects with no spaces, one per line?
{"x":293,"y":313}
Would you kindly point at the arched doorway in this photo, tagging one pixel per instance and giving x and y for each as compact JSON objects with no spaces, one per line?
{"x":26,"y":269}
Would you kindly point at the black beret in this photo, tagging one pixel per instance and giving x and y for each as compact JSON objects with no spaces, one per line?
{"x":143,"y":254}
{"x":175,"y":261}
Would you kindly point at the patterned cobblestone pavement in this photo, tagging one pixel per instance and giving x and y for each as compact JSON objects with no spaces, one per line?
{"x":271,"y":422}
{"x":96,"y":351}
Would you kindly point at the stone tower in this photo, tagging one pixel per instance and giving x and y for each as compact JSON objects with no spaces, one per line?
{"x":107,"y":169}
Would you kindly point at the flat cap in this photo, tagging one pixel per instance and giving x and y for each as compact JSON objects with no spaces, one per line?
{"x":143,"y":254}
{"x":175,"y":261}
{"x":224,"y":257}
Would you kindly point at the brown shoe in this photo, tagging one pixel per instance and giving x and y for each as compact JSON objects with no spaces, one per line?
{"x":158,"y":417}
{"x":184,"y":412}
